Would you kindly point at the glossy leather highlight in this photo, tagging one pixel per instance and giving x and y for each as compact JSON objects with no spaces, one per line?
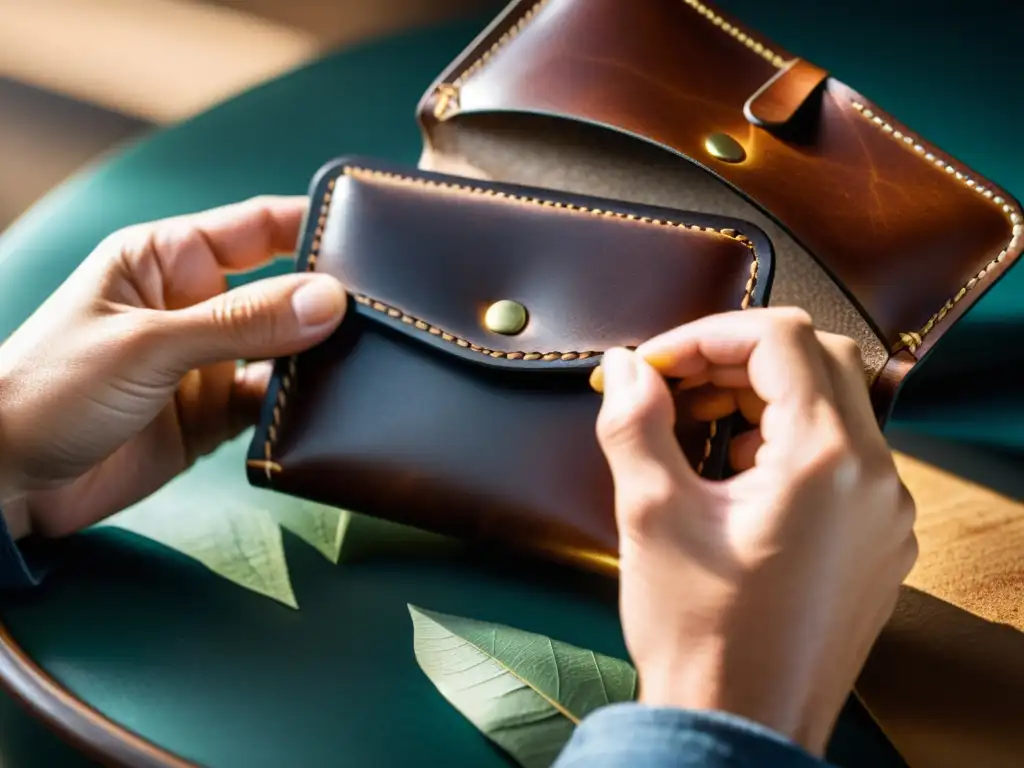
{"x":415,"y":412}
{"x":912,"y":235}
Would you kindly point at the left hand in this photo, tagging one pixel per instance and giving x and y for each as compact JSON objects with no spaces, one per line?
{"x":128,"y":372}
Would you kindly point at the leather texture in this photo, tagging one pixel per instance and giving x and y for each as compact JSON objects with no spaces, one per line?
{"x":778,"y":103}
{"x":912,"y":235}
{"x":417,"y":413}
{"x":576,"y":157}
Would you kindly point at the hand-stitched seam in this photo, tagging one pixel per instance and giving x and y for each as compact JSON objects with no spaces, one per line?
{"x":912,"y":340}
{"x":733,"y":31}
{"x":433,"y":330}
{"x":448,"y":93}
{"x":286,"y":390}
{"x":267,"y":464}
{"x":443,"y":186}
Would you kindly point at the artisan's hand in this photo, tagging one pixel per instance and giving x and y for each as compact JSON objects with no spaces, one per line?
{"x":760,"y":595}
{"x":128,"y":372}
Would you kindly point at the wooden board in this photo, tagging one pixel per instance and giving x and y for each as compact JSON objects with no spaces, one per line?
{"x":946,"y":679}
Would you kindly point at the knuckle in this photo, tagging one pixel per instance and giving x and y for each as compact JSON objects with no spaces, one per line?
{"x":645,"y":504}
{"x":793,"y":321}
{"x":888,"y":489}
{"x":136,"y":332}
{"x":245,"y":318}
{"x":617,"y":428}
{"x":834,"y":456}
{"x":117,"y":247}
{"x":847,"y":352}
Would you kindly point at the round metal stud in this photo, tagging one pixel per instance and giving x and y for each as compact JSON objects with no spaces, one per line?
{"x":505,"y":317}
{"x":725,"y":148}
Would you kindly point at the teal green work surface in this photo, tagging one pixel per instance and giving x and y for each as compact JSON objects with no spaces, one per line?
{"x":226,"y":678}
{"x":230,"y":680}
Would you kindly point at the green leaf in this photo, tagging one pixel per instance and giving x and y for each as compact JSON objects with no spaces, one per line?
{"x":524,"y":691}
{"x":240,"y":544}
{"x":212,"y":514}
{"x":321,"y":527}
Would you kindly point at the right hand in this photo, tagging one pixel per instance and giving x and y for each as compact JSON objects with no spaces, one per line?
{"x":760,"y":595}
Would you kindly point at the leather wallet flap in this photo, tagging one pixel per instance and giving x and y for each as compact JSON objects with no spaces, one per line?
{"x":426,"y":409}
{"x":431,"y":255}
{"x":912,"y":235}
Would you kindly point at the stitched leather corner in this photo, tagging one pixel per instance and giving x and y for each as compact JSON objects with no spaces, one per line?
{"x":478,"y":61}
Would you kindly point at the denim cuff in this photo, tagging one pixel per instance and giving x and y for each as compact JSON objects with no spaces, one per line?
{"x":621,"y":735}
{"x":15,"y":572}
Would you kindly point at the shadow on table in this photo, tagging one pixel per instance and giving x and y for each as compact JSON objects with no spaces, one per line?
{"x":948,"y":683}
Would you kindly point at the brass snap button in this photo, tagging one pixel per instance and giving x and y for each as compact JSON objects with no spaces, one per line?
{"x":725,"y":148}
{"x":506,"y":317}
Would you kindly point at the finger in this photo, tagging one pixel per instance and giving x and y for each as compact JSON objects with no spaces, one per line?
{"x":263,"y":319}
{"x":782,"y":355}
{"x":177,"y":262}
{"x":636,"y":432}
{"x":850,"y":383}
{"x":710,"y":403}
{"x":750,"y":405}
{"x":743,"y":449}
{"x":697,"y":380}
{"x":247,"y":393}
{"x":240,"y":236}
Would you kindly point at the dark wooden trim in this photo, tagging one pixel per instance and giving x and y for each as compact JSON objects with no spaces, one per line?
{"x":73,"y":720}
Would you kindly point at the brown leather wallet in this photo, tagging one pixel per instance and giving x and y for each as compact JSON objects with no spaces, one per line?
{"x":879,"y":235}
{"x":454,"y":397}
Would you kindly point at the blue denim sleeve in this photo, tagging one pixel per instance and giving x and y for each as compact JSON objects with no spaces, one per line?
{"x":14,"y":571}
{"x":634,"y":736}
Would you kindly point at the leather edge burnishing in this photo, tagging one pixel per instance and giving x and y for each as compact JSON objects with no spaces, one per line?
{"x":281,"y":390}
{"x":441,"y":103}
{"x":74,"y":721}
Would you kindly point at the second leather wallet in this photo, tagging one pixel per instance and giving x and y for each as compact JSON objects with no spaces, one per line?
{"x":454,"y":397}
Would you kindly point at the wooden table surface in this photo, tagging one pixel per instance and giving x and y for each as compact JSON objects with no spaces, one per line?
{"x":972,"y":543}
{"x":946,"y":679}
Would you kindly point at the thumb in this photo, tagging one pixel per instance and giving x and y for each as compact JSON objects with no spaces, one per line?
{"x":267,"y":318}
{"x":636,"y":431}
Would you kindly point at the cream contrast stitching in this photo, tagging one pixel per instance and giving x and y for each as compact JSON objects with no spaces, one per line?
{"x":733,"y":31}
{"x":268,"y":465}
{"x":448,"y":93}
{"x":461,"y":189}
{"x":433,"y":330}
{"x":913,"y":339}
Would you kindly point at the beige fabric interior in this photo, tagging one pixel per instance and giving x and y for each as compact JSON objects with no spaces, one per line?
{"x":582,"y":159}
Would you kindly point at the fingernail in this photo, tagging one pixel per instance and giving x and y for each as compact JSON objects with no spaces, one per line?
{"x":617,"y":370}
{"x":319,"y":301}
